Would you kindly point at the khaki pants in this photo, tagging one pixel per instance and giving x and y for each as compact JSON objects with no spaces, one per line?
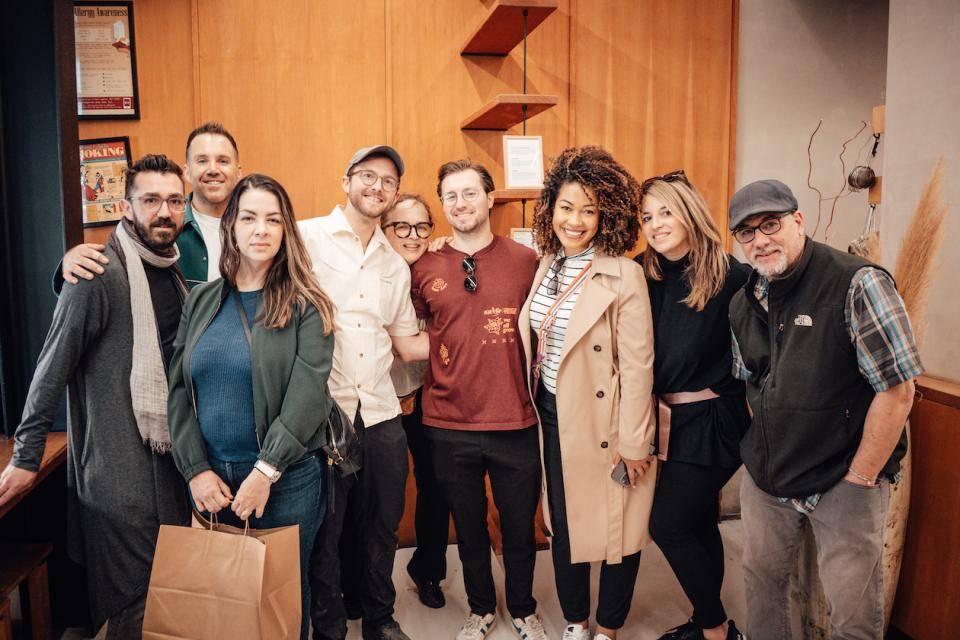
{"x":848,"y":527}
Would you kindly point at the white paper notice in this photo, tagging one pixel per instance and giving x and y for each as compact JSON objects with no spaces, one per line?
{"x":523,"y":162}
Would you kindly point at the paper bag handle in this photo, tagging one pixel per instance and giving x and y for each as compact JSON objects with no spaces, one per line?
{"x":209,"y":524}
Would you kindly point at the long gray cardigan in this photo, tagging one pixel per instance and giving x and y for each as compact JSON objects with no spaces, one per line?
{"x":119,"y":491}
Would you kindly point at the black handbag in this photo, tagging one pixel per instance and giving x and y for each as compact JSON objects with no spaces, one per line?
{"x":342,"y":444}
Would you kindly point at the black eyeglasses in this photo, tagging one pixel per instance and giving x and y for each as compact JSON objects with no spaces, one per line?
{"x":673,"y":176}
{"x":404,"y":229}
{"x":553,"y":283}
{"x":470,"y":283}
{"x":769,"y":226}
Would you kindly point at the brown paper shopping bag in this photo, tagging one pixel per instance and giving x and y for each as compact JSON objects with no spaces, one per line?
{"x":218,"y":581}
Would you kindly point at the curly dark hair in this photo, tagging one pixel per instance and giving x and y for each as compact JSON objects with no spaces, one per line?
{"x":618,"y":200}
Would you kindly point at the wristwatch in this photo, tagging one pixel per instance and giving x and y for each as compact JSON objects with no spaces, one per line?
{"x":267,"y":469}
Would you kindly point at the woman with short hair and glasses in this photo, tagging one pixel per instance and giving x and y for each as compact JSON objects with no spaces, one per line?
{"x":586,"y":331}
{"x":702,"y":408}
{"x":248,"y":376}
{"x":408,"y":227}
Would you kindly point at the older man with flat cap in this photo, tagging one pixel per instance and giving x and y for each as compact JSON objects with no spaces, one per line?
{"x":369,"y":284}
{"x":825,"y":346}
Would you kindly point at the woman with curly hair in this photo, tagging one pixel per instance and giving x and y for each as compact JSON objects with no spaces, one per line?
{"x":703,"y":408}
{"x":586,"y":330}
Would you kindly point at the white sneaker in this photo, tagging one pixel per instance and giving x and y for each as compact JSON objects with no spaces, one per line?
{"x":576,"y":632}
{"x":529,"y":628}
{"x":476,"y":627}
{"x":602,"y":636}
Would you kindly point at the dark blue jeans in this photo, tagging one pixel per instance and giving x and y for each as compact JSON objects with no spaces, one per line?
{"x":297,"y":498}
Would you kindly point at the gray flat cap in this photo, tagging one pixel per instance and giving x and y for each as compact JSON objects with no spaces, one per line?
{"x":762,"y":196}
{"x":378,"y":150}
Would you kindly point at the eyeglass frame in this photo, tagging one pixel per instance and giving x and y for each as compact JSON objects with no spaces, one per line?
{"x":410,"y":229}
{"x":461,"y":194}
{"x":469,"y":265}
{"x":776,"y":217}
{"x":382,"y":179}
{"x":166,"y":200}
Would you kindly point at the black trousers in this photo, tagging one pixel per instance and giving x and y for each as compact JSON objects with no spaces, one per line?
{"x":684,"y":525}
{"x":373,"y":502}
{"x":617,"y":581}
{"x":462,"y":459}
{"x":432,"y":518}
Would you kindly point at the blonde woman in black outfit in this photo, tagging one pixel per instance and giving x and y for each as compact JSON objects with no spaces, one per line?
{"x":691,"y":279}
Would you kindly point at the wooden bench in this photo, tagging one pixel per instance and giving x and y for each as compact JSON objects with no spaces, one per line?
{"x":24,"y":565}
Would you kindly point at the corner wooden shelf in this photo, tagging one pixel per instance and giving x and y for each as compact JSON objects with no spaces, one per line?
{"x":504,"y":196}
{"x":502,"y":29}
{"x":505,"y":110}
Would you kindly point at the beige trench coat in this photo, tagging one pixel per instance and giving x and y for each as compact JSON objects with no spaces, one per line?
{"x":604,"y":407}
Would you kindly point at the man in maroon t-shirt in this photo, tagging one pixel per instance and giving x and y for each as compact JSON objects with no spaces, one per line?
{"x":476,"y":408}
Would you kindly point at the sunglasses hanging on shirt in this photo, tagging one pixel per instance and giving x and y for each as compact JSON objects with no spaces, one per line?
{"x":469,"y":265}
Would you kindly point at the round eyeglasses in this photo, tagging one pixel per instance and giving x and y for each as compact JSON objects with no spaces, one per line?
{"x":370,"y":178}
{"x":404,"y":229}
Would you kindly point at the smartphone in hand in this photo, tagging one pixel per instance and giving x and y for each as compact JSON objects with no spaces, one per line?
{"x":621,"y":475}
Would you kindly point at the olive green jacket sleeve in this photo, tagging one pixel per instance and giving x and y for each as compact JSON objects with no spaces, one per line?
{"x":305,"y":402}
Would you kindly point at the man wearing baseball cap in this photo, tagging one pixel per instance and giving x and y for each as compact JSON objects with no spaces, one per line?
{"x":825,"y":346}
{"x":369,"y":284}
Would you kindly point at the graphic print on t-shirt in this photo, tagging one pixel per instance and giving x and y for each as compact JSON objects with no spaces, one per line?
{"x":477,"y":375}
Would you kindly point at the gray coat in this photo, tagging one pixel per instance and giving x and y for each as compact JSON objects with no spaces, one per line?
{"x":119,"y":491}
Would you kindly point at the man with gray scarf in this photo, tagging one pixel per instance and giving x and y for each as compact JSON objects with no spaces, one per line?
{"x":109,"y":344}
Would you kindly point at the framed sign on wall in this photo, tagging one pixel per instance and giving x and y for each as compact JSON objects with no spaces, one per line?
{"x":106,"y":59}
{"x":523,"y":162}
{"x":103,"y":163}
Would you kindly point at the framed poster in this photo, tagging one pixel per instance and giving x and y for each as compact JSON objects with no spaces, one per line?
{"x":103,"y":163}
{"x":523,"y":162}
{"x":106,"y":58}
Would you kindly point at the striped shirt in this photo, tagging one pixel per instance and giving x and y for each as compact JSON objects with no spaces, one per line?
{"x":880,"y":331}
{"x":565,"y":271}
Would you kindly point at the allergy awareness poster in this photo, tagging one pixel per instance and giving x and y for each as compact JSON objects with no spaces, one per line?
{"x":106,"y":60}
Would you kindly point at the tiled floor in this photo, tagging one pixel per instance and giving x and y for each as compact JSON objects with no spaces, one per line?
{"x":658,"y":602}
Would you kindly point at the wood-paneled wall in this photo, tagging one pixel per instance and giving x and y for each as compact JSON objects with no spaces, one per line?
{"x":303,"y":84}
{"x":927,"y":606}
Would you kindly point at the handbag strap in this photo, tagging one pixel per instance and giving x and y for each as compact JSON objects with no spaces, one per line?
{"x":243,"y":316}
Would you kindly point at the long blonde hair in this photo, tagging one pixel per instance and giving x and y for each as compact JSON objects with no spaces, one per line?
{"x":708,"y":260}
{"x":290,"y":279}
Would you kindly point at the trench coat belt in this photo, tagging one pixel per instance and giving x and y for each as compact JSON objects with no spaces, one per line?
{"x":686,"y":397}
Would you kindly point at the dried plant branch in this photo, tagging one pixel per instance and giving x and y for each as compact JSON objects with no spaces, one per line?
{"x":843,"y":177}
{"x":921,"y":242}
{"x":810,"y":174}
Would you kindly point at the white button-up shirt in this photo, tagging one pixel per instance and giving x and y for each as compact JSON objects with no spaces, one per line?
{"x":371,"y":292}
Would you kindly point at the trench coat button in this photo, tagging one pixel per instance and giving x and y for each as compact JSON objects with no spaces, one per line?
{"x":599,"y":394}
{"x":596,"y":347}
{"x":604,"y":444}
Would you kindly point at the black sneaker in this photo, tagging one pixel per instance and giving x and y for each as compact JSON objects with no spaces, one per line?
{"x":387,"y":631}
{"x":732,"y":632}
{"x":428,"y":590}
{"x":686,"y":631}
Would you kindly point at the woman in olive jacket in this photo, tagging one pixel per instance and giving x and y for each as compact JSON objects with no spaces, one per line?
{"x":248,"y":377}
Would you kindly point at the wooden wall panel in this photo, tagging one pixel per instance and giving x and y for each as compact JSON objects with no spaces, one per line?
{"x":927,"y":606}
{"x":165,"y":74}
{"x":300,"y":84}
{"x":653,"y":84}
{"x":434,"y":88}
